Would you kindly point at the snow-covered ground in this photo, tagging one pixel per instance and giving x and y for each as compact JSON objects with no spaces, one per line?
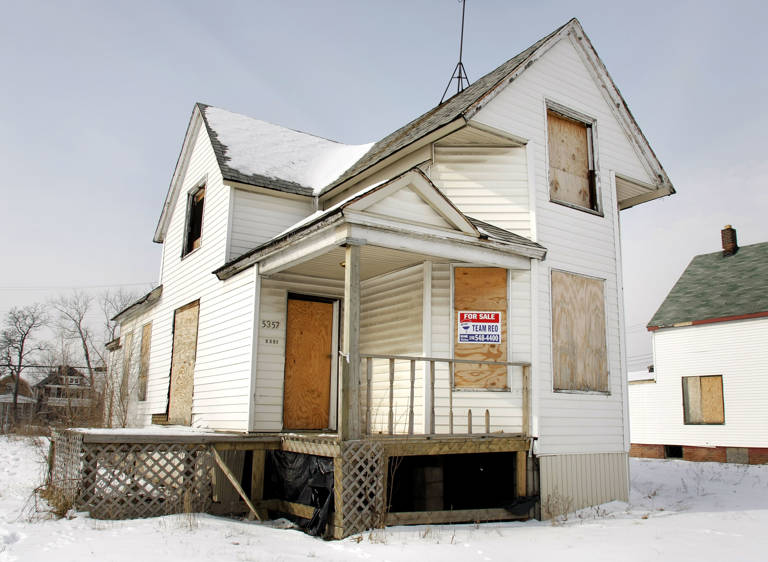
{"x":678,"y":511}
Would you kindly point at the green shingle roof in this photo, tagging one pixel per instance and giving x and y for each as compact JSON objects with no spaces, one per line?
{"x":716,"y":286}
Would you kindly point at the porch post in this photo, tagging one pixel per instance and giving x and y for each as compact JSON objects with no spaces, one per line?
{"x":349,"y":412}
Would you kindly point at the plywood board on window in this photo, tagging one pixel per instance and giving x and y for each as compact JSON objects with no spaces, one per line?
{"x":481,"y":289}
{"x":125,"y":376}
{"x":183,"y":363}
{"x":703,"y":400}
{"x":568,"y":144}
{"x":308,"y":341}
{"x":712,"y":409}
{"x":578,"y":333}
{"x":146,"y":336}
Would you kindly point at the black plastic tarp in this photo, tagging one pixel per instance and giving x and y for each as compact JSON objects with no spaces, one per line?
{"x":304,"y":479}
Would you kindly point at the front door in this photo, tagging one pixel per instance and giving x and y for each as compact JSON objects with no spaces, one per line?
{"x":308,"y":356}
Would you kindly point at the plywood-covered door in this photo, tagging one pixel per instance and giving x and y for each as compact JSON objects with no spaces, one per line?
{"x":183,"y":363}
{"x":308,"y":355}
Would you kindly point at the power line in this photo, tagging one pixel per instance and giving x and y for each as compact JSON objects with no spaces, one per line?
{"x":55,"y":287}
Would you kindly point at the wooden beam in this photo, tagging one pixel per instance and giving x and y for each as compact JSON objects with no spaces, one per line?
{"x":292,"y":508}
{"x":455,"y":516}
{"x":520,"y":474}
{"x":526,"y":397}
{"x":232,"y":480}
{"x":455,"y":445}
{"x":257,"y":479}
{"x":349,"y":428}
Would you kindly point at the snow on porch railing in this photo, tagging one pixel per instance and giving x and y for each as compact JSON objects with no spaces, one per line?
{"x":407,"y":395}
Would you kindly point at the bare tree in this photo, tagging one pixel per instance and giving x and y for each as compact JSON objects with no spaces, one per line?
{"x":17,"y":342}
{"x":72,"y":311}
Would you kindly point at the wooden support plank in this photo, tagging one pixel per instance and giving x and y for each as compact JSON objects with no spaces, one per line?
{"x":455,"y":516}
{"x":521,"y":473}
{"x":235,"y":484}
{"x":368,"y":393}
{"x":410,"y":407}
{"x":432,"y":397}
{"x":350,"y":384}
{"x":452,"y":445}
{"x":391,"y":415}
{"x":300,"y":510}
{"x":487,"y":421}
{"x":257,"y":479}
{"x":338,"y":498}
{"x":452,"y":370}
{"x":469,"y":421}
{"x":526,"y":396}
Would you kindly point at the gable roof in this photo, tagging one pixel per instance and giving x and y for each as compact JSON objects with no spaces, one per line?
{"x":469,"y":101}
{"x":8,"y":383}
{"x":61,"y":371}
{"x":715,"y":288}
{"x":358,"y":201}
{"x":258,"y":153}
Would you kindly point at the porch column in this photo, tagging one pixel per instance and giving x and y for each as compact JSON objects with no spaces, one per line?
{"x":349,"y":412}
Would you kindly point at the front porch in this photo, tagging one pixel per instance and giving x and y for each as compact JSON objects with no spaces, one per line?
{"x":121,"y":474}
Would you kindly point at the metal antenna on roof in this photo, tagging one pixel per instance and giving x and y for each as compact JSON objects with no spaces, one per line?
{"x":459,"y":73}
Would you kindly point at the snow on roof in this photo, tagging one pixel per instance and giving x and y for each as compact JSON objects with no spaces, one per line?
{"x":258,"y":148}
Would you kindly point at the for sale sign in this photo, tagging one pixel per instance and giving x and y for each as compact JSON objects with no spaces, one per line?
{"x":478,"y":327}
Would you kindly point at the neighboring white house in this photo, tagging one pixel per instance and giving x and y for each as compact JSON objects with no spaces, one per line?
{"x":486,"y":229}
{"x":707,"y":398}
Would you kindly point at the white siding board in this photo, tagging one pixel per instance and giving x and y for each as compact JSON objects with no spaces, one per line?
{"x":580,"y":481}
{"x":223,"y":361}
{"x":391,"y":324}
{"x":406,"y":204}
{"x":258,"y":217}
{"x":736,"y":350}
{"x":576,"y":241}
{"x":486,"y":183}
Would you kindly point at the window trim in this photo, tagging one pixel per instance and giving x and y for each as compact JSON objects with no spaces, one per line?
{"x":591,"y":124}
{"x":685,"y":403}
{"x":199,"y":186}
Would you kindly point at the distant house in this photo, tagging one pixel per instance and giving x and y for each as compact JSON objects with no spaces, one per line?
{"x":707,"y":399}
{"x":64,"y":394}
{"x":25,"y":400}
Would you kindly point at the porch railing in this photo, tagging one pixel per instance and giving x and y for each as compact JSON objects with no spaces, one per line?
{"x":411,"y":395}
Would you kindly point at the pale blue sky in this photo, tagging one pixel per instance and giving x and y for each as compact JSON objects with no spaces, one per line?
{"x":96,"y":97}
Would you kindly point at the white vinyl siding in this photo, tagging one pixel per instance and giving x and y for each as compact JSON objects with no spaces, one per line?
{"x":504,"y":408}
{"x":736,"y":350}
{"x":224,"y":344}
{"x":391,"y":324}
{"x":405,"y":204}
{"x":486,"y":183}
{"x":578,"y":481}
{"x":270,"y":361}
{"x":258,"y":217}
{"x":576,"y":241}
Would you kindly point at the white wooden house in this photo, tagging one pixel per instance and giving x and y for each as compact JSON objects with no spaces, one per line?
{"x":310,"y":286}
{"x":706,"y":399}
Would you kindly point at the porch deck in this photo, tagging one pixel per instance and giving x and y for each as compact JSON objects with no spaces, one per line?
{"x":139,"y":472}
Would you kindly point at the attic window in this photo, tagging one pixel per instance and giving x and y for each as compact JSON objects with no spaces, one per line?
{"x":194,"y":230}
{"x":572,"y":178}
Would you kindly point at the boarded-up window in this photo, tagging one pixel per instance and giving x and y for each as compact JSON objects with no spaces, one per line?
{"x":703,"y":400}
{"x":480,"y":292}
{"x":125,"y":376}
{"x":183,"y":363}
{"x":146,"y":336}
{"x":578,"y":333}
{"x":194,"y":227}
{"x":571,"y":169}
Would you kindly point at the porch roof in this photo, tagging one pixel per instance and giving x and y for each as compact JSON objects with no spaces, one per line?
{"x":481,"y":235}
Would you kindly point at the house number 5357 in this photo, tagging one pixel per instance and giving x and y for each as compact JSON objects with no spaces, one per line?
{"x":270,"y":324}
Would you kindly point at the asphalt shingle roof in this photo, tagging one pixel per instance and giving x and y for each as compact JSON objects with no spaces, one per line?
{"x":716,"y":286}
{"x":441,"y":115}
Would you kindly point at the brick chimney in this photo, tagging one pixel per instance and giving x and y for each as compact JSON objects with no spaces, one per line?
{"x":728,"y":235}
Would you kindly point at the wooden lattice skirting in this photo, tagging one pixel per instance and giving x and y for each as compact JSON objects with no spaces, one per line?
{"x":130,"y":480}
{"x":359,"y":487}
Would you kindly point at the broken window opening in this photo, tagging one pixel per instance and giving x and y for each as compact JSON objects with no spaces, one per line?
{"x":194,"y":230}
{"x":572,"y":173}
